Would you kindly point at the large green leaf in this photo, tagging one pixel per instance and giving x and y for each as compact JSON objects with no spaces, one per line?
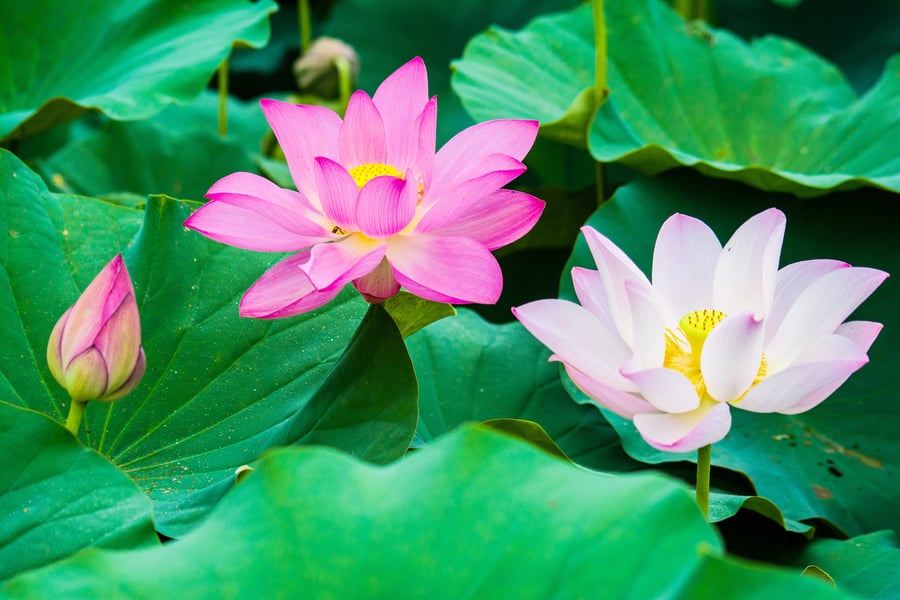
{"x":472,"y":370}
{"x":838,"y":461}
{"x":478,"y":514}
{"x":126,"y":59}
{"x":771,"y":113}
{"x":868,"y":565}
{"x":57,"y":497}
{"x":218,"y":389}
{"x":387,"y":33}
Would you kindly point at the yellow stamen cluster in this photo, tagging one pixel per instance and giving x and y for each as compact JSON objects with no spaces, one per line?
{"x":684,"y":346}
{"x":366,"y":172}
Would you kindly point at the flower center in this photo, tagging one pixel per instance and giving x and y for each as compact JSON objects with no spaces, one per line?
{"x":364,"y":173}
{"x":684,"y":346}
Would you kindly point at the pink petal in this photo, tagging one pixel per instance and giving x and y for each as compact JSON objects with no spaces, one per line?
{"x":667,"y":390}
{"x":119,"y":341}
{"x":284,"y":290}
{"x":615,"y":269}
{"x":378,"y":285}
{"x":401,"y":99}
{"x":620,"y":402}
{"x":424,"y":161}
{"x":338,"y":193}
{"x":826,"y":365}
{"x":819,"y":310}
{"x":343,"y":260}
{"x":790,"y":283}
{"x":684,"y":264}
{"x":497,"y":219}
{"x":303,"y":132}
{"x":386,"y":205}
{"x":748,"y":266}
{"x":861,"y":333}
{"x":463,"y":156}
{"x":731,"y":356}
{"x":648,"y":327}
{"x":361,"y":138}
{"x":685,"y":432}
{"x":445,"y":206}
{"x":251,"y":212}
{"x":445,"y":269}
{"x":578,"y":339}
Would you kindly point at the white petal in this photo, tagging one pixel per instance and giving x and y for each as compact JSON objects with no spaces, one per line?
{"x":747,"y":269}
{"x":732,"y":355}
{"x":861,"y":333}
{"x":577,"y":338}
{"x":666,"y":389}
{"x":790,"y":283}
{"x":615,"y":269}
{"x":622,"y":403}
{"x":826,"y":365}
{"x":684,"y":264}
{"x":819,"y":310}
{"x":685,"y":432}
{"x":648,"y":328}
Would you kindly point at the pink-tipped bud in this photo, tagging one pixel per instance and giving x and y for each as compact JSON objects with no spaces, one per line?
{"x":95,"y":348}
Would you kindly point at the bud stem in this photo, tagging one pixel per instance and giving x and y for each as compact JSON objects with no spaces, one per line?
{"x":601,"y":90}
{"x":704,"y":455}
{"x":76,"y":412}
{"x":223,"y":98}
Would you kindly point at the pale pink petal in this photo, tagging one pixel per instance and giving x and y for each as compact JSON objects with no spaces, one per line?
{"x":303,"y":132}
{"x":685,"y":432}
{"x":386,"y":205}
{"x":622,"y":403}
{"x":731,"y":356}
{"x":615,"y":269}
{"x":684,"y":264}
{"x":648,"y":327}
{"x":819,"y":310}
{"x":284,"y":290}
{"x":497,"y":219}
{"x":351,"y":257}
{"x":119,"y":341}
{"x":824,"y":367}
{"x":444,"y":207}
{"x":400,"y":99}
{"x":861,"y":333}
{"x":748,"y":266}
{"x":667,"y":390}
{"x":361,"y":138}
{"x":463,"y":157}
{"x":578,"y":339}
{"x":446,"y":269}
{"x":338,"y":194}
{"x":790,"y":283}
{"x":96,"y":304}
{"x":591,"y":293}
{"x":378,"y":285}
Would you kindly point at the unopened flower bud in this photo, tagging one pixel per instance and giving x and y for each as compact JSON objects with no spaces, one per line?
{"x":316,"y":71}
{"x":95,"y":348}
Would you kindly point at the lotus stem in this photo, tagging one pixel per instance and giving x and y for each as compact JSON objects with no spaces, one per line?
{"x":600,"y":86}
{"x":223,"y":98}
{"x":704,"y":455}
{"x":76,"y":413}
{"x":305,"y":26}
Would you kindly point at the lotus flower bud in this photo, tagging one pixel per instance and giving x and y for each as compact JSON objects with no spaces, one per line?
{"x":316,"y":70}
{"x":95,"y":348}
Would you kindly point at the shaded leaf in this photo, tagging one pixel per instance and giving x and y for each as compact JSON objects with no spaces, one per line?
{"x":868,"y":565}
{"x":411,"y":313}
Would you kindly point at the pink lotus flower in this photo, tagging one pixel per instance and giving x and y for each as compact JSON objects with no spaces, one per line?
{"x":375,"y":205}
{"x":95,"y":348}
{"x":717,"y":328}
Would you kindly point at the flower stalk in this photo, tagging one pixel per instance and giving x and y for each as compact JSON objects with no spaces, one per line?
{"x":76,"y":414}
{"x":600,"y":87}
{"x":223,"y":98}
{"x":704,"y":455}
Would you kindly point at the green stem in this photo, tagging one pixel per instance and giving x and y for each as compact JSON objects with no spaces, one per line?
{"x":223,"y":98}
{"x":600,"y":86}
{"x":683,"y":8}
{"x":704,"y":455}
{"x":305,"y":26}
{"x":345,"y":79}
{"x":76,"y":412}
